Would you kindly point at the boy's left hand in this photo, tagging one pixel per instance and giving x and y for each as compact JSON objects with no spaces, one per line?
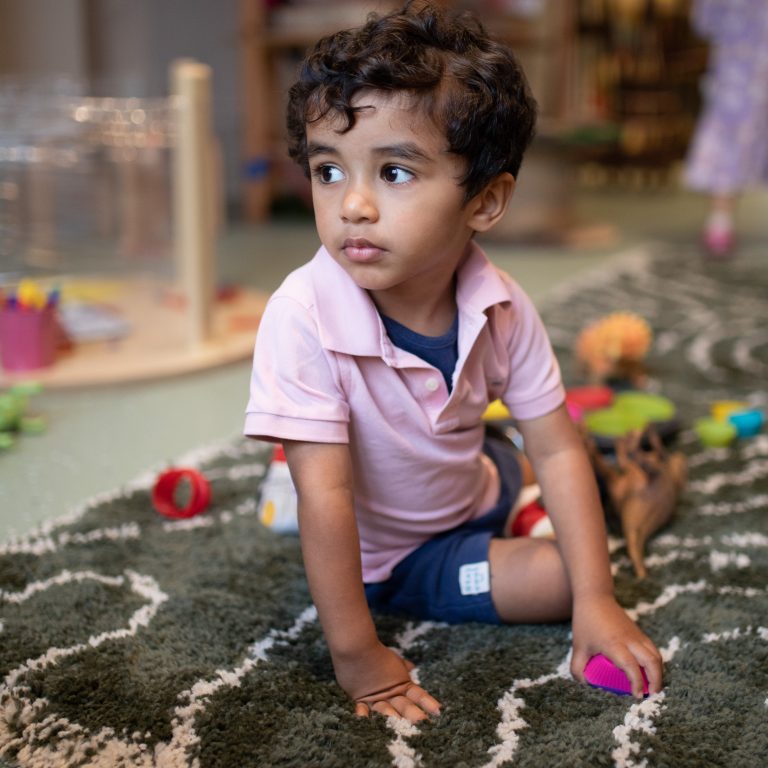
{"x":600,"y":625}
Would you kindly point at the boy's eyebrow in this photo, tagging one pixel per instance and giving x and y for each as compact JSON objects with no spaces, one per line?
{"x":405,"y":151}
{"x":313,"y":148}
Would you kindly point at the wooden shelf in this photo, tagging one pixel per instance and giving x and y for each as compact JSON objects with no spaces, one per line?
{"x":644,"y":76}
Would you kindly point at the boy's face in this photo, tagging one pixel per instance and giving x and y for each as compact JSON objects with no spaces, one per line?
{"x":387,"y":199}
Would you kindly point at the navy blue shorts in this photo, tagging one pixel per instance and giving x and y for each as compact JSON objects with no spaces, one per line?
{"x":448,"y":578}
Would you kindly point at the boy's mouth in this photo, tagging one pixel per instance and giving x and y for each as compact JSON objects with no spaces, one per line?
{"x":360,"y":250}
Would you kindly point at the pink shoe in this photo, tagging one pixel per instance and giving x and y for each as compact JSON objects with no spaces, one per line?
{"x":719,"y":243}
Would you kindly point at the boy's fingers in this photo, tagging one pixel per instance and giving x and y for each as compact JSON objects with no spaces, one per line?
{"x":414,"y":705}
{"x":578,"y":663}
{"x":654,"y":679}
{"x":625,"y":660}
{"x":653,"y":664}
{"x":385,"y":708}
{"x":655,"y":673}
{"x":420,"y":697}
{"x":629,"y":666}
{"x":649,"y":658}
{"x":636,"y":678}
{"x":407,"y":709}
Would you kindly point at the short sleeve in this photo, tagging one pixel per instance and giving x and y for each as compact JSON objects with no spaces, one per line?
{"x":295,"y":391}
{"x":535,"y":385}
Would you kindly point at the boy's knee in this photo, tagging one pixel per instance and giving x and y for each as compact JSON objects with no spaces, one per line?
{"x":529,"y":580}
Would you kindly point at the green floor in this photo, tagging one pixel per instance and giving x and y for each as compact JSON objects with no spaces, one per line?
{"x":98,"y":439}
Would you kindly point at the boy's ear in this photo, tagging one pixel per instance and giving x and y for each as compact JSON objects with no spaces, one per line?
{"x":489,"y":205}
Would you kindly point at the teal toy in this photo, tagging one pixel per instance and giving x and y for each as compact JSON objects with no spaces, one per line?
{"x":14,"y":418}
{"x":748,"y":423}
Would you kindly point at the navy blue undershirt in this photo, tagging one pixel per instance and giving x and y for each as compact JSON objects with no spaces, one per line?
{"x":442,"y":352}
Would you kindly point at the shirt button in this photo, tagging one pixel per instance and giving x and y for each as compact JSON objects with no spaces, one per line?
{"x":432,"y":384}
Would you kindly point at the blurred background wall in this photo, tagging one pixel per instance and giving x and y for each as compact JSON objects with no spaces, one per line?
{"x":617,"y":79}
{"x":123,"y":48}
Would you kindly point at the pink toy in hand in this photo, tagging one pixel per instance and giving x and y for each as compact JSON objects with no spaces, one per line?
{"x":601,"y":672}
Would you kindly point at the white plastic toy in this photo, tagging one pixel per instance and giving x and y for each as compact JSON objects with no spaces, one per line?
{"x":278,"y":503}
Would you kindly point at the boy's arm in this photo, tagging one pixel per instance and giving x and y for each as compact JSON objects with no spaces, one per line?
{"x":600,"y":625}
{"x":373,"y":675}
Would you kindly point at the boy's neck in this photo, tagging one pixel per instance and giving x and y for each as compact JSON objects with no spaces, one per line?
{"x":429,"y":314}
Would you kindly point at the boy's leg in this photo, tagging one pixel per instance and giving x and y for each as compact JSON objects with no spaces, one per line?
{"x":529,"y":582}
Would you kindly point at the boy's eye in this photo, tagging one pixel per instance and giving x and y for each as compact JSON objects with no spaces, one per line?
{"x":393,"y":174}
{"x":328,"y":174}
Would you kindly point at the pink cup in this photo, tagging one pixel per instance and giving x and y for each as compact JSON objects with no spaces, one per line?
{"x":27,"y":338}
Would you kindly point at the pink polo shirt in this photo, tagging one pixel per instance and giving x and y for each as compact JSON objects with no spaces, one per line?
{"x":324,"y":370}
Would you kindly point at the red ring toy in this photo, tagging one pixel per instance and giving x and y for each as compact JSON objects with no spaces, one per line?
{"x":165,"y":488}
{"x":589,"y":398}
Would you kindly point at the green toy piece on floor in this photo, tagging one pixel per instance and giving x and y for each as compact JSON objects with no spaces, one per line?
{"x":14,"y":418}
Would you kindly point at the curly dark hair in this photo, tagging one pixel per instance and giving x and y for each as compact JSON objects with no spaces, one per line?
{"x":471,"y":86}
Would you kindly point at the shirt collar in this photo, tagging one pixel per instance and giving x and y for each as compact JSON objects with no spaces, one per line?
{"x":338,"y":298}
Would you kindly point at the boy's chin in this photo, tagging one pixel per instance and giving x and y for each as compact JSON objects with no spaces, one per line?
{"x":373,"y":286}
{"x":369,"y":277}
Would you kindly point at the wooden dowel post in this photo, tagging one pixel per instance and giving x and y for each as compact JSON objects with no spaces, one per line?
{"x":193,"y":188}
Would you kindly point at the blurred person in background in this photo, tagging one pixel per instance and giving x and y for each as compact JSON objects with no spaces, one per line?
{"x":729,"y":149}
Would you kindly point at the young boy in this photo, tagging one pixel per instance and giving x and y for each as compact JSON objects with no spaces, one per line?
{"x":375,"y":361}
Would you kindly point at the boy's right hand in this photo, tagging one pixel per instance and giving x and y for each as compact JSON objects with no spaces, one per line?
{"x":379,"y":681}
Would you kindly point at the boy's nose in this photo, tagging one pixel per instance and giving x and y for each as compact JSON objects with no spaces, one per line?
{"x":359,"y":205}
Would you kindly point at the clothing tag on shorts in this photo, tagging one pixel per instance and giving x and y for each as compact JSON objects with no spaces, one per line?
{"x":475,"y":578}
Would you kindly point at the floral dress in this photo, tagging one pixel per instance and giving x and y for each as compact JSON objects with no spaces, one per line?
{"x":729,"y":150}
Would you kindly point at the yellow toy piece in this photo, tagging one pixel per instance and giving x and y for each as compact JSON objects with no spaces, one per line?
{"x":496,"y":411}
{"x":30,"y":295}
{"x":722,"y":409}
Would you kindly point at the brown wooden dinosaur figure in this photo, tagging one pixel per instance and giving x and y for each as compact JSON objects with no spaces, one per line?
{"x":643,"y":487}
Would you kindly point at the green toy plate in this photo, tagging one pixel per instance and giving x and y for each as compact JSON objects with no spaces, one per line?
{"x":632,"y":411}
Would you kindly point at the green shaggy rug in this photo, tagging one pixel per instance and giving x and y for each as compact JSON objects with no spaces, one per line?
{"x":130,"y":640}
